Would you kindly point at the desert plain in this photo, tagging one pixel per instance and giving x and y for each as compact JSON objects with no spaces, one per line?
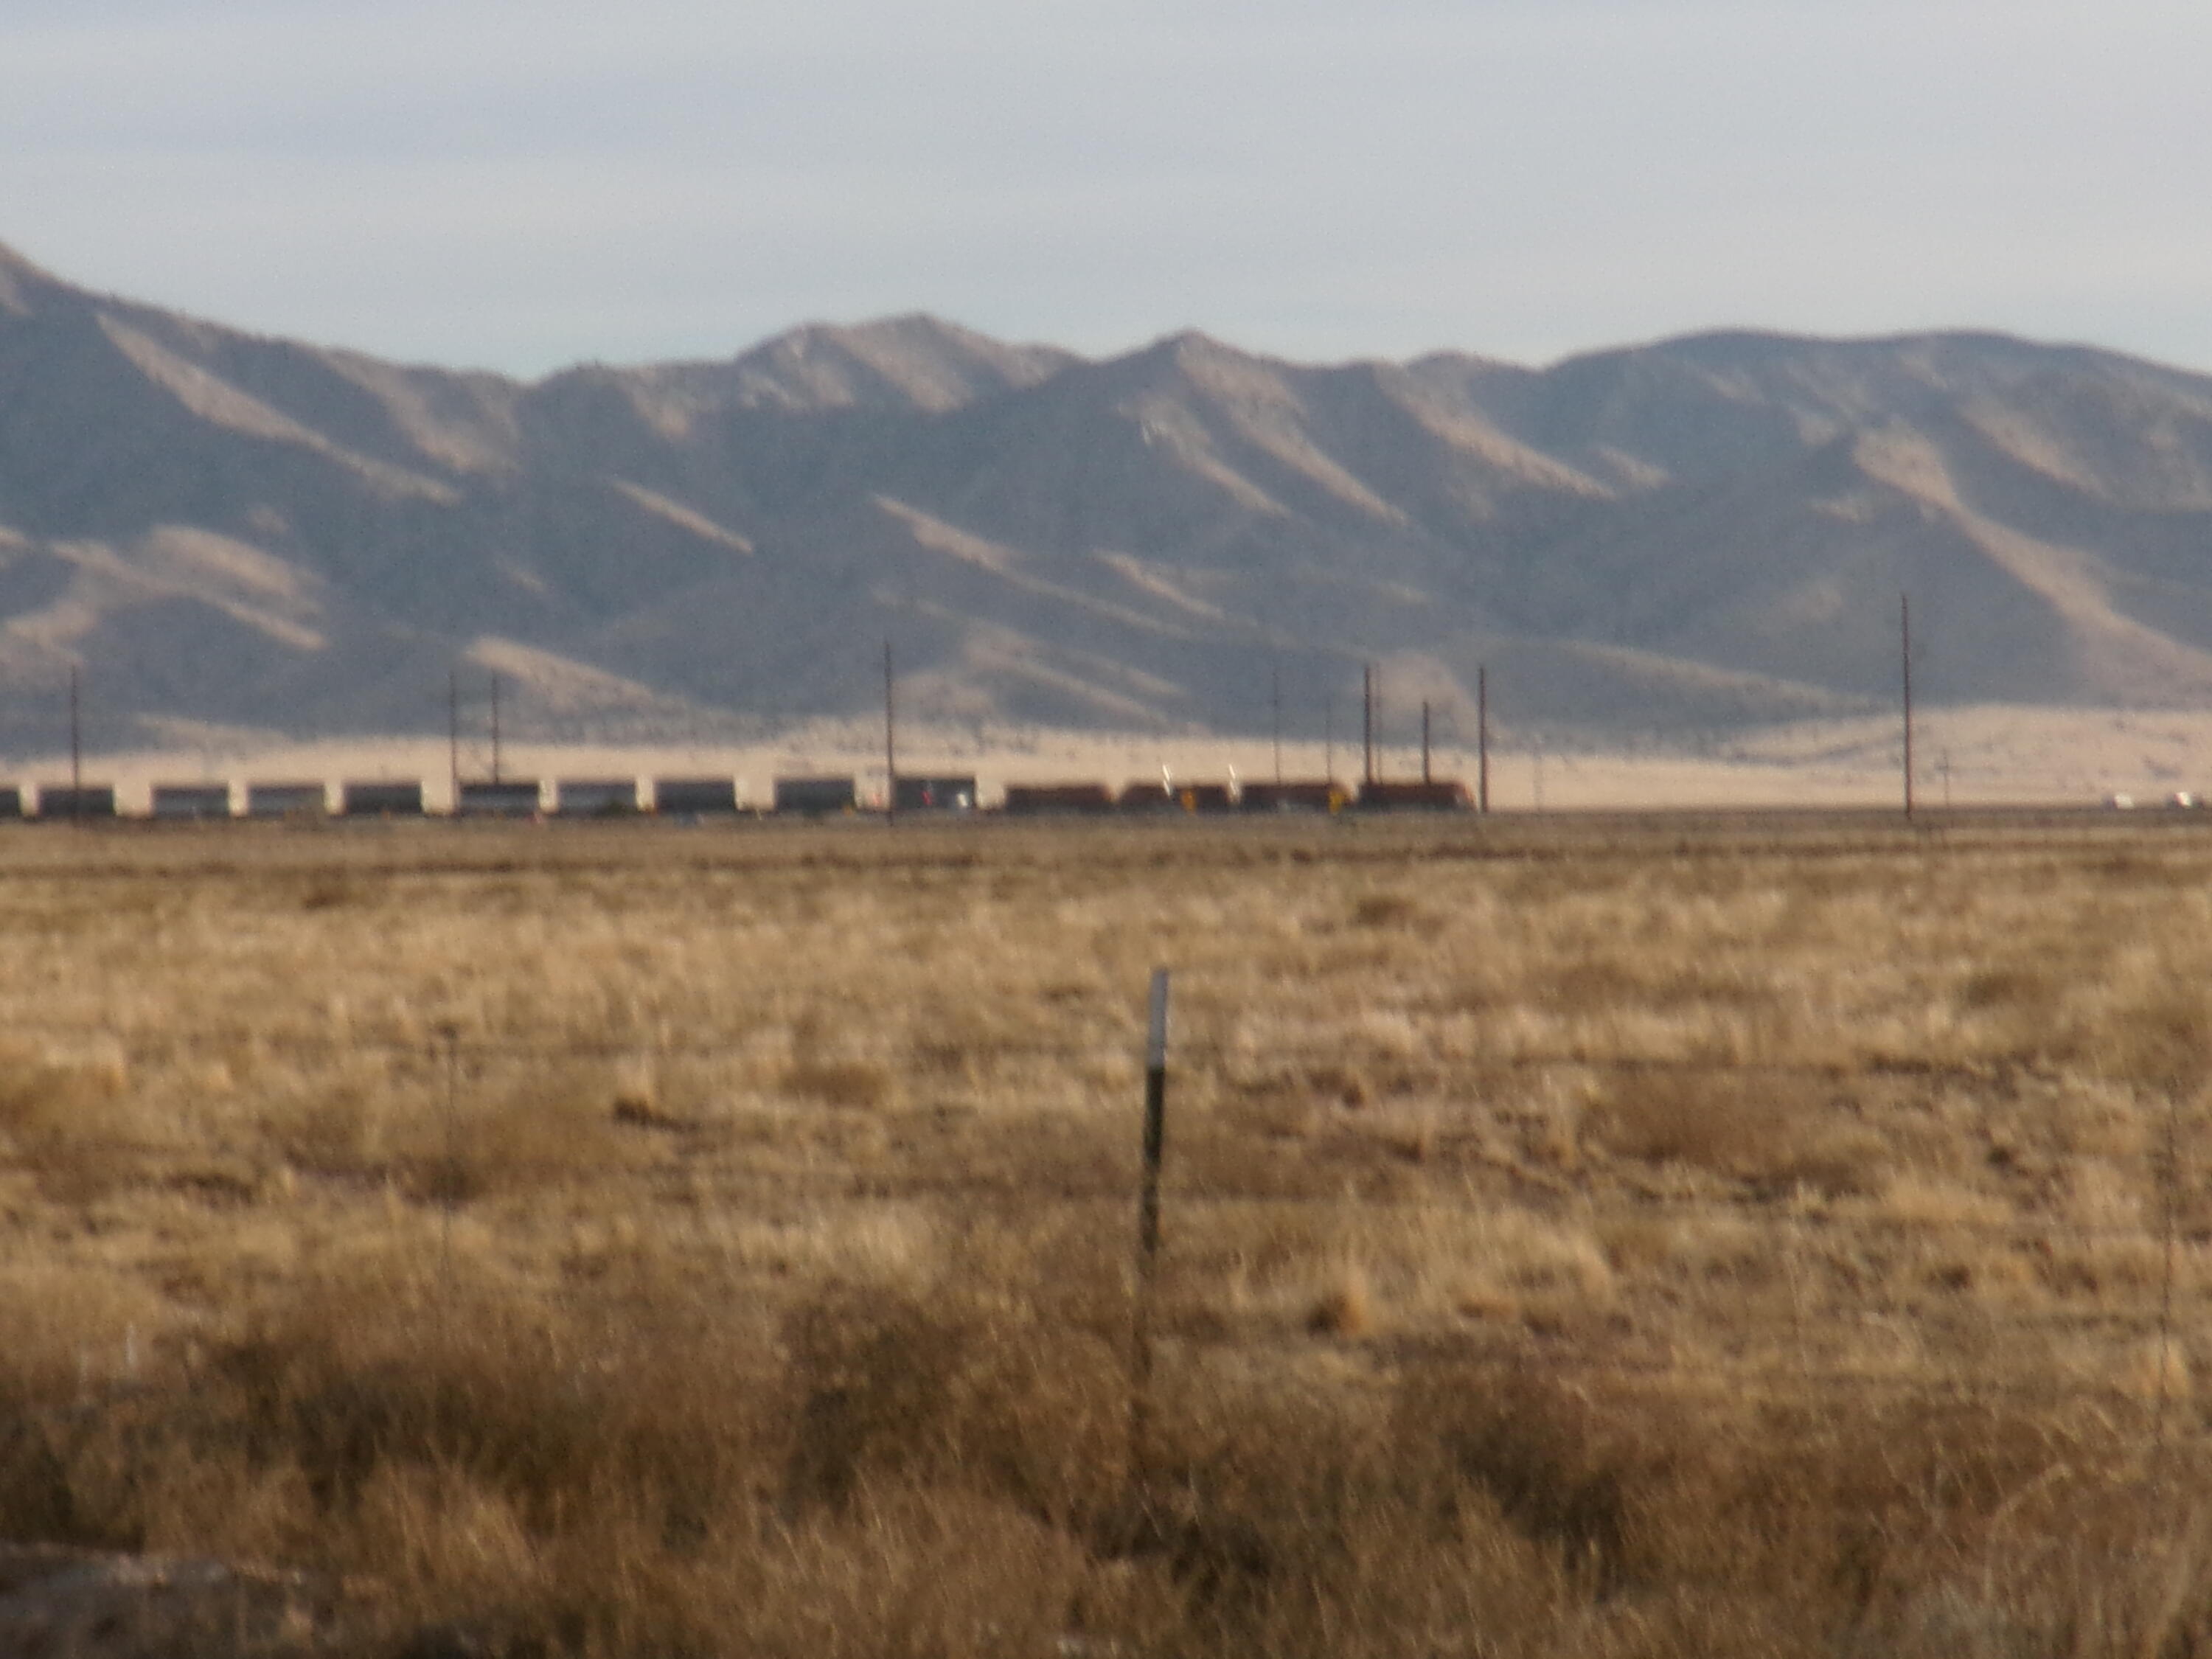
{"x":1729,"y":1233}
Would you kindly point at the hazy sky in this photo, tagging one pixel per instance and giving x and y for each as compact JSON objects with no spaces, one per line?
{"x":522,"y":184}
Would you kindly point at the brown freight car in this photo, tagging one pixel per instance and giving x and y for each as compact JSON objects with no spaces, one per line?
{"x":1445,"y":795}
{"x":1058,"y":799}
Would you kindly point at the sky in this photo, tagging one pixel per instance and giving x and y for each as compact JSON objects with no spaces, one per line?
{"x":521,"y":184}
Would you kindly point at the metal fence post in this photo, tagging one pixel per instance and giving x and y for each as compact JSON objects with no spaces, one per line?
{"x":1148,"y":1214}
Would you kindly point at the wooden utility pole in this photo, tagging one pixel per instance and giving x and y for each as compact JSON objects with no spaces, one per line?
{"x":890,"y":743}
{"x":453,"y":735}
{"x":494,"y":728}
{"x":1380,"y":759}
{"x":76,"y":751}
{"x":1275,"y":703}
{"x":1482,"y":738}
{"x":1425,"y":741}
{"x":1904,"y":639}
{"x":1367,"y":722}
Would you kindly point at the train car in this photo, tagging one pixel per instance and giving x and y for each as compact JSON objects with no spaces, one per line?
{"x":505,"y":798}
{"x":599,"y":797}
{"x":185,"y":803}
{"x":381,"y":799}
{"x":815,"y":798}
{"x":1297,"y":795}
{"x":1445,"y":795}
{"x":695,"y":798}
{"x":1144,"y":797}
{"x":287,"y":800}
{"x":1184,"y":797}
{"x":77,"y":802}
{"x":1058,"y":800}
{"x":11,"y":801}
{"x":1205,"y":798}
{"x":911,"y":794}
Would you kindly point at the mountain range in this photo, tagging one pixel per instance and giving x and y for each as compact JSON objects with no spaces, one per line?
{"x":215,"y":530}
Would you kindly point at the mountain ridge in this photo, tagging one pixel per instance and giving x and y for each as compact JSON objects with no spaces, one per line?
{"x":1663,"y":540}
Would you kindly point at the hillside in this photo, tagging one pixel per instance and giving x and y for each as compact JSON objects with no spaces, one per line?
{"x":221,"y":530}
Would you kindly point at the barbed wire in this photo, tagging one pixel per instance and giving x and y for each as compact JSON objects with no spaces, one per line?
{"x":1042,"y":1192}
{"x":1772,"y":1382}
{"x":1245,"y":1061}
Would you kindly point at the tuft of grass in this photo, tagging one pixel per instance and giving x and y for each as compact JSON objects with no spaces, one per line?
{"x":71,"y":1119}
{"x":1394,"y":911}
{"x":528,"y":1141}
{"x":1764,"y":1129}
{"x":856,"y":1084}
{"x":896,"y":1390}
{"x":1344,"y":1306}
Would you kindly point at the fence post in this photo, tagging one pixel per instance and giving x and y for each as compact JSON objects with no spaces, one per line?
{"x":1148,"y":1215}
{"x":449,"y":1040}
{"x":2169,"y":1209}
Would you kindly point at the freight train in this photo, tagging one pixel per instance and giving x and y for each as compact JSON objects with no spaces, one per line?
{"x":707,"y":798}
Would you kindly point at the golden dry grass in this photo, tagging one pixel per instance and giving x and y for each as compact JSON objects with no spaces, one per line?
{"x":1629,"y":1238}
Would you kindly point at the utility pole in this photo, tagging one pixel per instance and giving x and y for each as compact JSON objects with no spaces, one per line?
{"x":1904,"y":643}
{"x":1275,"y":704}
{"x":1367,"y":722}
{"x":1482,"y":738}
{"x":1328,"y":735}
{"x":1425,"y":741}
{"x":494,"y":728}
{"x":454,"y":734}
{"x":76,"y":751}
{"x":890,"y":743}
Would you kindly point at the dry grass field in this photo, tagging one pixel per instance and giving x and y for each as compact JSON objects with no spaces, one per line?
{"x":1749,"y":1236}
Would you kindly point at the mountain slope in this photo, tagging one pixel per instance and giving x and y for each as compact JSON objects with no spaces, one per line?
{"x":1691,"y":536}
